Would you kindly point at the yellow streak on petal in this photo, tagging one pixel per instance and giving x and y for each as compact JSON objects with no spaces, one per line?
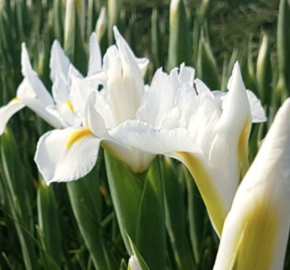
{"x":205,"y":186}
{"x":15,"y":99}
{"x":243,"y":148}
{"x":78,"y":136}
{"x":256,"y":245}
{"x":70,"y":106}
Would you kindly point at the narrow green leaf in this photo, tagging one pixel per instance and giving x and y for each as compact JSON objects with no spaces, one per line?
{"x":175,"y":216}
{"x":150,"y":233}
{"x":264,"y":72}
{"x":196,"y":214}
{"x":48,"y":220}
{"x":283,"y":43}
{"x":126,"y":192}
{"x":206,"y":65}
{"x":18,"y":186}
{"x":156,"y":39}
{"x":84,"y":196}
{"x":179,"y":36}
{"x":138,"y":256}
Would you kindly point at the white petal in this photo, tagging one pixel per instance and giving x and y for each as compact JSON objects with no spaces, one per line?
{"x":256,"y":230}
{"x":60,"y":89}
{"x":59,"y":162}
{"x":95,"y":62}
{"x":136,"y":159}
{"x":66,"y":117}
{"x":158,"y":100}
{"x":258,"y":113}
{"x":236,"y":110}
{"x":80,"y":91}
{"x":201,"y":86}
{"x":186,"y":74}
{"x":125,"y":84}
{"x":25,"y":91}
{"x":6,"y":112}
{"x":143,"y":136}
{"x":36,"y":106}
{"x":59,"y":62}
{"x":33,"y":79}
{"x":141,"y":62}
{"x":93,"y":119}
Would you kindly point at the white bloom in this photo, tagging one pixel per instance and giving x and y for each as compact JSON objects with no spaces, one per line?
{"x":256,"y":229}
{"x":57,"y":110}
{"x":208,"y":131}
{"x":31,"y":93}
{"x":118,"y":101}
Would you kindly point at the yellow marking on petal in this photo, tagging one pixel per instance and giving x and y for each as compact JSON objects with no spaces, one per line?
{"x":255,"y":246}
{"x":243,"y":148}
{"x":15,"y":99}
{"x":70,"y":106}
{"x":205,"y":186}
{"x":78,"y":136}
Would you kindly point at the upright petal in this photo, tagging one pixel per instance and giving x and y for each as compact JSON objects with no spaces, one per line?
{"x":66,"y":155}
{"x":59,"y":62}
{"x":95,"y":62}
{"x":141,"y":62}
{"x":256,"y":230}
{"x":36,"y":84}
{"x":6,"y":112}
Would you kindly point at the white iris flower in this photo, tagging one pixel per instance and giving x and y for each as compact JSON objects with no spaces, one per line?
{"x":208,"y":131}
{"x":68,"y":154}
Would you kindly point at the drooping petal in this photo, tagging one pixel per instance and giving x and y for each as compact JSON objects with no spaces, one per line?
{"x":136,"y":159}
{"x":6,"y":112}
{"x":36,"y":84}
{"x":256,"y":230}
{"x":36,"y":106}
{"x":66,"y":155}
{"x":65,"y":114}
{"x":95,"y":62}
{"x":143,"y":136}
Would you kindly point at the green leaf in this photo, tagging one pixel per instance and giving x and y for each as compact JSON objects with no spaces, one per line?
{"x":156,"y":39}
{"x":175,"y":216}
{"x":126,"y":190}
{"x":179,"y":36}
{"x":84,"y":196}
{"x":264,"y":72}
{"x":48,"y":220}
{"x":283,"y":43}
{"x":206,"y":65}
{"x":17,"y":185}
{"x":150,"y":233}
{"x":138,"y":256}
{"x":196,"y":214}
